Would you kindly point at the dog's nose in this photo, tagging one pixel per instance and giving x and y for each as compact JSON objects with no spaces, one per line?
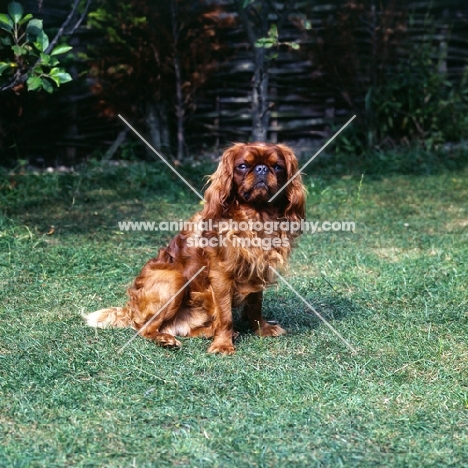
{"x":261,"y":169}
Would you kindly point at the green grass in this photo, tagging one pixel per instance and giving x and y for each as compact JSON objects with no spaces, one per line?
{"x":396,"y":289}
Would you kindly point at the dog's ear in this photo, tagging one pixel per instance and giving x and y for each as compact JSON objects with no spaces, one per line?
{"x":295,"y":190}
{"x":220,"y":194}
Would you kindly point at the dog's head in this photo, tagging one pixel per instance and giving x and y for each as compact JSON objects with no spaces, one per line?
{"x":251,"y":174}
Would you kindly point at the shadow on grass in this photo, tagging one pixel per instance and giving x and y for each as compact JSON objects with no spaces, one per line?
{"x":296,"y":317}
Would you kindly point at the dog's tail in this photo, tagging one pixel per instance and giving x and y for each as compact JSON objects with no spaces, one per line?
{"x":111,"y":317}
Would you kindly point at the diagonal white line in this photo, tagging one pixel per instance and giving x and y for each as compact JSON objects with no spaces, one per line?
{"x":315,"y":312}
{"x":161,"y":309}
{"x":160,"y":157}
{"x":312,"y":158}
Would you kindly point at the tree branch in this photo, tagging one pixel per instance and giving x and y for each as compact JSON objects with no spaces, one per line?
{"x":61,"y":31}
{"x":22,"y":77}
{"x":82,"y":17}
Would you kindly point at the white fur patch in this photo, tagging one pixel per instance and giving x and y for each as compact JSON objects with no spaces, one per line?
{"x":99,"y":319}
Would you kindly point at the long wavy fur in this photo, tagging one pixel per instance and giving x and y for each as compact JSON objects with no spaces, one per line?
{"x":234,"y":273}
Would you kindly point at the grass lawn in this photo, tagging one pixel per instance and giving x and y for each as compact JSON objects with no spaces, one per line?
{"x":396,"y":289}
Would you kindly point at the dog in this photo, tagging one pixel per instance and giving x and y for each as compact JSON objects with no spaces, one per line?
{"x":224,"y":258}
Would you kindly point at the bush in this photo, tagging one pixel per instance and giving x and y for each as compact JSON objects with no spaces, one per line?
{"x":29,"y":55}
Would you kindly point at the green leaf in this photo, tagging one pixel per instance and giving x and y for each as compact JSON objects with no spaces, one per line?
{"x":25,"y":19}
{"x":6,"y":23}
{"x":293,"y":45}
{"x":16,"y":11}
{"x":273,"y":32}
{"x":54,"y":79}
{"x":47,"y":85}
{"x":304,"y":21}
{"x":42,"y":41}
{"x":265,"y":42}
{"x":64,"y":77}
{"x":45,"y":59}
{"x":19,"y":50}
{"x":59,"y":76}
{"x":61,"y":49}
{"x":34,"y":27}
{"x":33,"y":83}
{"x":4,"y":66}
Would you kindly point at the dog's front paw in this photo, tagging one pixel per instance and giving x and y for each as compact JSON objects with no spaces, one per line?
{"x":221,"y":347}
{"x":167,"y":341}
{"x":268,"y":329}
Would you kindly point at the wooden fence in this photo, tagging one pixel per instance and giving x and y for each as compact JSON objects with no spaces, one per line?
{"x":312,"y":91}
{"x":307,"y":104}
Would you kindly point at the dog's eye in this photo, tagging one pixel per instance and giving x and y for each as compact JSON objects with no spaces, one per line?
{"x":278,"y":168}
{"x":242,"y":166}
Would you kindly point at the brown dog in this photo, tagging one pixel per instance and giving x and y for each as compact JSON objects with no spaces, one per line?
{"x":225,"y":254}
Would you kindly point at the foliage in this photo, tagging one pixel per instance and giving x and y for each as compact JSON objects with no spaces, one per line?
{"x":194,"y":74}
{"x":272,"y":40}
{"x":148,"y":52}
{"x":418,"y":103}
{"x":395,"y":79}
{"x":27,"y":55}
